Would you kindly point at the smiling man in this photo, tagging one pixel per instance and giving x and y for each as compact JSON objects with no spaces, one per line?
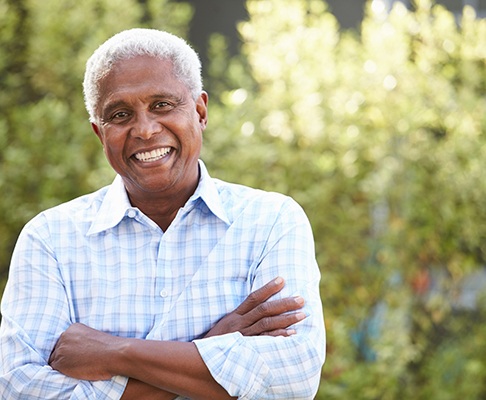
{"x":167,"y":283}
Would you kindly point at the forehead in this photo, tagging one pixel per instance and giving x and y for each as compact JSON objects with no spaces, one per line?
{"x":139,"y":76}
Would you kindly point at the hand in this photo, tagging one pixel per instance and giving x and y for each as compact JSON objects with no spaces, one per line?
{"x":82,"y":353}
{"x":255,"y":316}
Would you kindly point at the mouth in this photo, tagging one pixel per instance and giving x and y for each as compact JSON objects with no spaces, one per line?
{"x":154,"y":155}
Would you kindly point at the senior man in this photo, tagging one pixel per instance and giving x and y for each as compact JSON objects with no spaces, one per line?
{"x":167,"y":283}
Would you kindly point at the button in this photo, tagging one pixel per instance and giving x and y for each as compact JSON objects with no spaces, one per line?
{"x":131,"y":213}
{"x":164,"y":293}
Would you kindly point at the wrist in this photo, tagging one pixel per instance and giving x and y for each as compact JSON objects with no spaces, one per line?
{"x":118,"y":356}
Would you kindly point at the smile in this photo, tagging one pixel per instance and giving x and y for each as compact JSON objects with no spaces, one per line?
{"x":154,"y":155}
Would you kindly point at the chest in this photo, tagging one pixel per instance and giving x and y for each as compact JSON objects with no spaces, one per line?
{"x":174,"y":286}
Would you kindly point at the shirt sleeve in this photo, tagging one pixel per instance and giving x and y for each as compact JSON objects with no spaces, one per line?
{"x":35,"y":311}
{"x":265,"y":367}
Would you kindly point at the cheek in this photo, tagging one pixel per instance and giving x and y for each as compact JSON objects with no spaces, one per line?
{"x":113,"y":151}
{"x":113,"y":142}
{"x":196,"y":144}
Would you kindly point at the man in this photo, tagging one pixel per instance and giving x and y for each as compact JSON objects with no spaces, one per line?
{"x":166,"y":283}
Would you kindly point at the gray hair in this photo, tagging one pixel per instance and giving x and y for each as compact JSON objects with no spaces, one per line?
{"x":136,"y":42}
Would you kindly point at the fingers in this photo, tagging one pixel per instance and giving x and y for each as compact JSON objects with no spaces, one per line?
{"x":273,"y":309}
{"x":83,"y":353}
{"x":274,"y":326}
{"x":280,"y":332}
{"x":257,"y":316}
{"x":257,"y":297}
{"x":276,"y":317}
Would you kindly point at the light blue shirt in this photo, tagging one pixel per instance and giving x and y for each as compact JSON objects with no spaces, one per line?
{"x":99,"y":261}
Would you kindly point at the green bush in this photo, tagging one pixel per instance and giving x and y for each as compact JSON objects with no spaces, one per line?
{"x":47,"y":150}
{"x":380,"y":135}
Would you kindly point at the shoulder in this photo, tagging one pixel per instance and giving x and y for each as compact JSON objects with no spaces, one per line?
{"x":240,"y":195}
{"x":81,"y":211}
{"x":239,"y":199}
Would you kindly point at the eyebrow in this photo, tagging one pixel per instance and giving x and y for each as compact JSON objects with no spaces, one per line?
{"x":110,"y":107}
{"x":168,"y":96}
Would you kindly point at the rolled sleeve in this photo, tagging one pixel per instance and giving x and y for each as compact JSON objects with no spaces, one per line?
{"x":263,"y":367}
{"x":26,"y":375}
{"x":236,"y":365}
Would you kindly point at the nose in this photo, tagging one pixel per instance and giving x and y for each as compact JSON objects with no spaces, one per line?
{"x":145,"y":126}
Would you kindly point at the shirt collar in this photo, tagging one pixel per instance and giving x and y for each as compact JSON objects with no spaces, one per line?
{"x":116,"y":204}
{"x":114,"y":207}
{"x":209,"y":194}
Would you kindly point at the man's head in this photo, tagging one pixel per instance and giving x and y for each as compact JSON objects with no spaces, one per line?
{"x":139,"y":42}
{"x":144,"y":95}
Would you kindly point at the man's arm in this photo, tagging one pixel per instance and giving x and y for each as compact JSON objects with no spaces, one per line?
{"x":261,"y":367}
{"x":172,"y":367}
{"x":139,"y":390}
{"x":35,"y":311}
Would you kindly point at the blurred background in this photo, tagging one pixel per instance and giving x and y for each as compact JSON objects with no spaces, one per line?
{"x":371,"y":114}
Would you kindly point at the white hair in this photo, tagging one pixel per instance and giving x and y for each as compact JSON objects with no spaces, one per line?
{"x":136,"y":42}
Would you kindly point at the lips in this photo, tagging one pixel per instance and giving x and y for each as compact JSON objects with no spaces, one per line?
{"x":154,"y":155}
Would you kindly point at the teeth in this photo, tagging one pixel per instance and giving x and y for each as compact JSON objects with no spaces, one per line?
{"x":153,"y":155}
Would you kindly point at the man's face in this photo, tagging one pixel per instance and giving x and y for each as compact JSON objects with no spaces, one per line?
{"x":150,"y":127}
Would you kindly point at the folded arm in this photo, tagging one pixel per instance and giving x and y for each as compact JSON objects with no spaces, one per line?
{"x":161,"y":368}
{"x":260,"y":367}
{"x":35,"y":311}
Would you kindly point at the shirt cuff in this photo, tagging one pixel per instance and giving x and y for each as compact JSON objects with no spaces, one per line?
{"x":113,"y":388}
{"x":235,"y":365}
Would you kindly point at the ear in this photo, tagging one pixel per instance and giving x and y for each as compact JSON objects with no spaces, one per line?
{"x":97,"y":131}
{"x":202,"y":109}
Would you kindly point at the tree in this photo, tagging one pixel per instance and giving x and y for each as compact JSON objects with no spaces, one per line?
{"x":48,"y":153}
{"x":380,"y":136}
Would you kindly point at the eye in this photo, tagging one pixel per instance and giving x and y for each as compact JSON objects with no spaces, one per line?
{"x":162,"y":104}
{"x":119,"y":115}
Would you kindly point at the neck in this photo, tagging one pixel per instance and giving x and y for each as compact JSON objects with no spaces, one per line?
{"x":162,"y":208}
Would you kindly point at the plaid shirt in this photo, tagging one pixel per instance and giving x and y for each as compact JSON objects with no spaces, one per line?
{"x":99,"y":261}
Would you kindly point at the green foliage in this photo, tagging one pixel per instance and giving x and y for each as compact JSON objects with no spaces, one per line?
{"x":381,"y":136}
{"x":48,"y":153}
